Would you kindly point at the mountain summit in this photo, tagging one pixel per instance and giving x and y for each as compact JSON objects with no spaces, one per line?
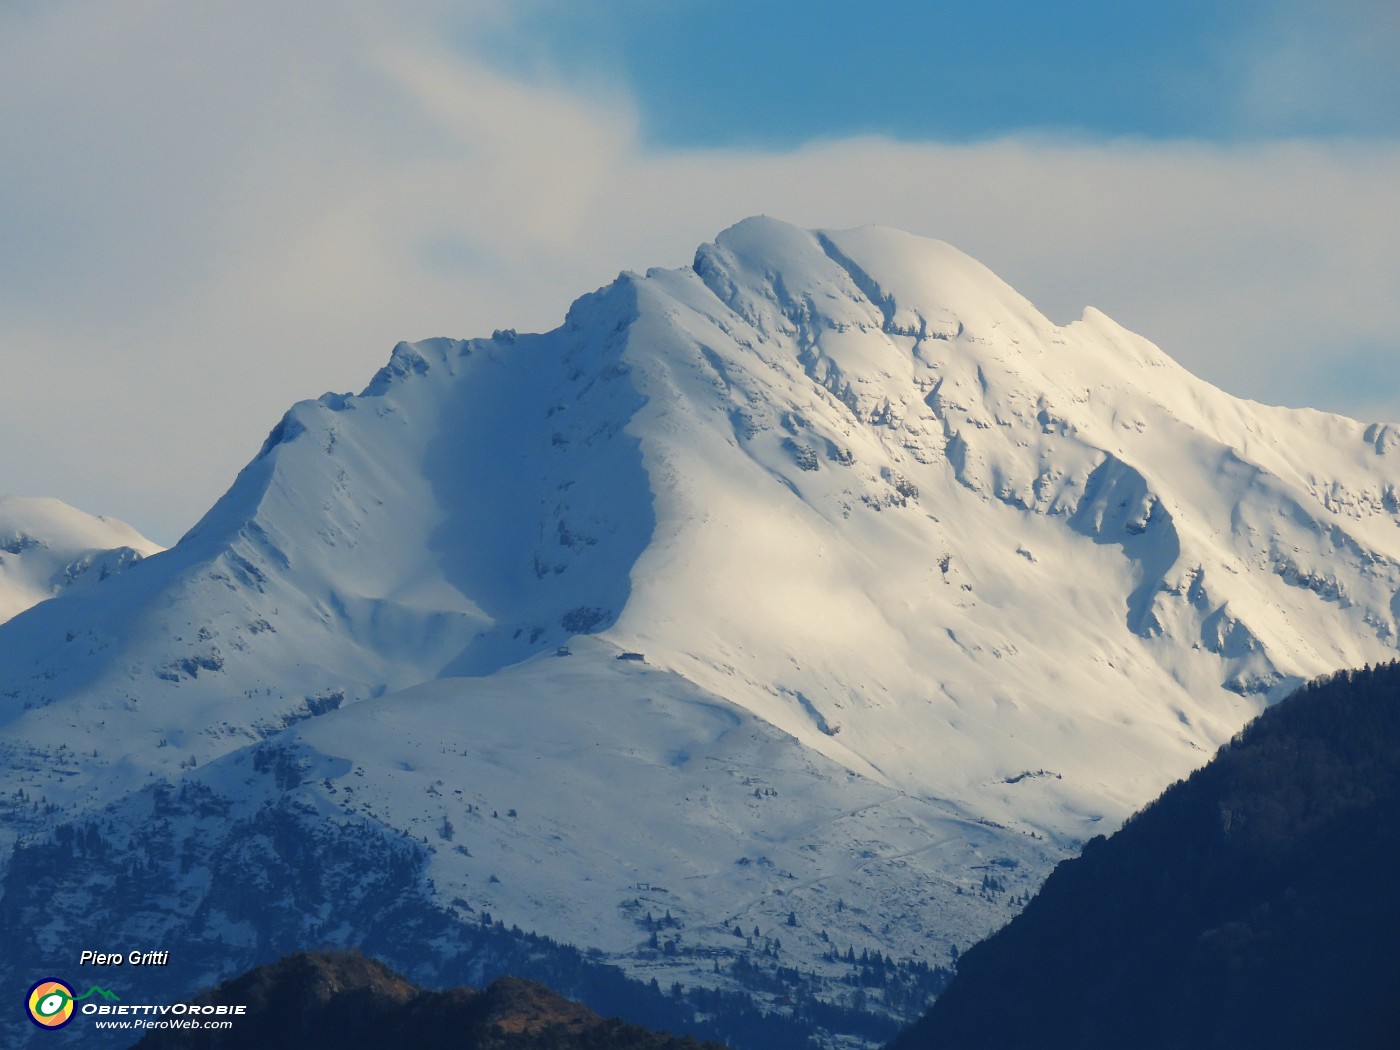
{"x":818,"y":596}
{"x":47,"y":546}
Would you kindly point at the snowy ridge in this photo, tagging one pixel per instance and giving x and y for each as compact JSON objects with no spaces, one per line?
{"x":958,"y":586}
{"x":47,"y":546}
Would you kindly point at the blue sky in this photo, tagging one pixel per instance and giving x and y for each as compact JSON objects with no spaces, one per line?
{"x":209,"y":211}
{"x":725,"y":72}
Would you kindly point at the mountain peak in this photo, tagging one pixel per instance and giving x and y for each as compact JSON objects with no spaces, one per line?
{"x":47,"y":546}
{"x":830,"y":546}
{"x":871,"y":275}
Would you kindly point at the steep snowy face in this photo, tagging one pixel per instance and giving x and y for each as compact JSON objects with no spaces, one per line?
{"x":892,"y":582}
{"x":477,"y":503}
{"x":945,"y":542}
{"x":47,"y":546}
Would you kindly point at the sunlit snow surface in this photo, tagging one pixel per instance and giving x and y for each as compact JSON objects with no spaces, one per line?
{"x":47,"y":546}
{"x":923,"y":587}
{"x":600,"y":792}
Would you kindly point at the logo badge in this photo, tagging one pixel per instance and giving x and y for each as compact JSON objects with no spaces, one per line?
{"x":51,"y":1003}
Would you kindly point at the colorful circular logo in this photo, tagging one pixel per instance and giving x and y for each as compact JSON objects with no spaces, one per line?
{"x":51,"y":1003}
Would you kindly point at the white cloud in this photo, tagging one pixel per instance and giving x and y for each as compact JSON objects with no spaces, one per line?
{"x":209,"y":211}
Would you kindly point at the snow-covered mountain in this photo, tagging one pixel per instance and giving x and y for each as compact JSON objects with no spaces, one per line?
{"x":824,"y":587}
{"x":46,"y":547}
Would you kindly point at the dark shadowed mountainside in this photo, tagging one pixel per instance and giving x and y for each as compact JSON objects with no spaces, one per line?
{"x":347,"y":1001}
{"x":1251,"y":906}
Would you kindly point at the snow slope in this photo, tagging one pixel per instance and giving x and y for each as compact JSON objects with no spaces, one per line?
{"x":962,"y":586}
{"x":47,"y":546}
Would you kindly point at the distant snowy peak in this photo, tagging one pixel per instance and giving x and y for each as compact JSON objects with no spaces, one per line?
{"x":47,"y":547}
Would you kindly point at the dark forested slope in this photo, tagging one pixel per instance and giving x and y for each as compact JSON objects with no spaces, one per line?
{"x":346,"y":1001}
{"x":1254,"y":905}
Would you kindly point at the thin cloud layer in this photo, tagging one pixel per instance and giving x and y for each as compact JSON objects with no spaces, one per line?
{"x":1313,"y":66}
{"x":212,"y":211}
